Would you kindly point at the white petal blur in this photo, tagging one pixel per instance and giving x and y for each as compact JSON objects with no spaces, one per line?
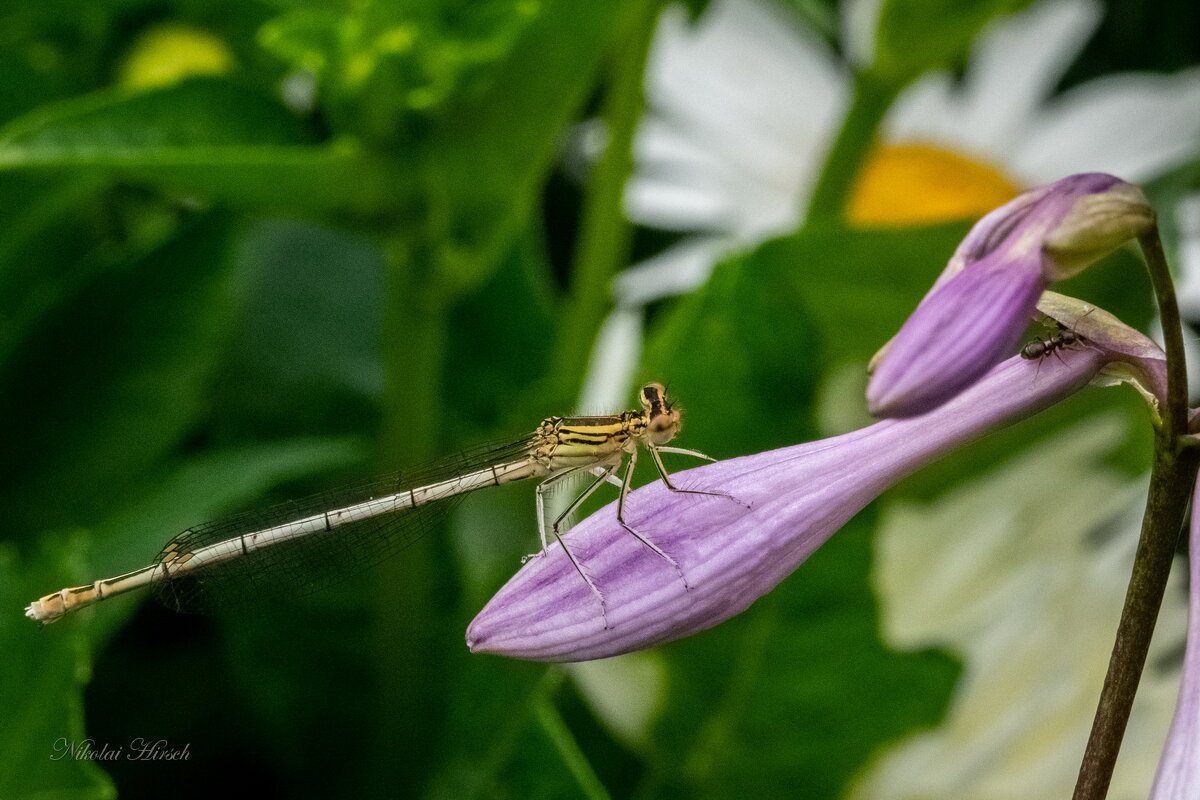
{"x":1021,"y":574}
{"x":1178,"y":775}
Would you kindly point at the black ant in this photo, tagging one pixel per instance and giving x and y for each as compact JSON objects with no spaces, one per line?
{"x":1040,"y":348}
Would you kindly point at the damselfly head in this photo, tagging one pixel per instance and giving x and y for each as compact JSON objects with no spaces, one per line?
{"x":662,"y":421}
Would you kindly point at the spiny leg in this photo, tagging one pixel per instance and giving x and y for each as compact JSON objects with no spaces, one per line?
{"x":579,"y":568}
{"x":666,"y":476}
{"x":541,"y":515}
{"x":625,"y":485}
{"x":541,"y":508}
{"x":681,"y":451}
{"x":578,"y":501}
{"x":607,"y":474}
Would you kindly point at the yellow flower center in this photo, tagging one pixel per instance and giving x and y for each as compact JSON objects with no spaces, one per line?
{"x":912,"y":184}
{"x":168,"y":52}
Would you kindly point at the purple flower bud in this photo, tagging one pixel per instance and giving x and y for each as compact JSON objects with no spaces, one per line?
{"x":976,"y":311}
{"x":1178,"y":776}
{"x":973,"y":321}
{"x":728,"y":554}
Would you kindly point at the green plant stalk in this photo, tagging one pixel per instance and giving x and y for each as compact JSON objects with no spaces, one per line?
{"x":1171,"y":482}
{"x":415,"y":338}
{"x":605,"y":233}
{"x":411,"y":596}
{"x":557,"y":731}
{"x":871,"y":99}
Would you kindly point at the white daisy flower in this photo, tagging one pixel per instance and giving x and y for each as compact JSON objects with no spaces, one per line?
{"x":744,"y":103}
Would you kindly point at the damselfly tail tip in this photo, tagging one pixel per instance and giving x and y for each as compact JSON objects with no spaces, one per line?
{"x":35,"y":611}
{"x":47,"y":609}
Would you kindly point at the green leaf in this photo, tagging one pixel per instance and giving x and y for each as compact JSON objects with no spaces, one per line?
{"x":385,"y":68}
{"x":41,"y":209}
{"x":792,"y":697}
{"x":858,"y":286}
{"x":203,"y":487}
{"x":306,"y":38}
{"x":21,"y":86}
{"x":305,"y":352}
{"x":786,"y":312}
{"x":512,"y":313}
{"x":507,"y":737}
{"x":915,"y":36}
{"x":48,"y":252}
{"x":42,"y":676}
{"x":490,"y":152}
{"x":207,"y":111}
{"x":204,"y":135}
{"x":109,"y":384}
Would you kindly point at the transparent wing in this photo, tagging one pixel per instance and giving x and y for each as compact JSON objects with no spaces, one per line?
{"x":305,"y":564}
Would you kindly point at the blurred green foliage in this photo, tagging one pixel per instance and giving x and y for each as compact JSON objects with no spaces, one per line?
{"x":341,"y":257}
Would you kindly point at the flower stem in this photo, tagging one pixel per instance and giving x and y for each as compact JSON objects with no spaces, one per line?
{"x":1170,"y":487}
{"x":870,"y":102}
{"x":1171,"y":480}
{"x":605,"y":233}
{"x":1176,"y":413}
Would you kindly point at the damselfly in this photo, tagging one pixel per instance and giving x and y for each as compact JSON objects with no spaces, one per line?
{"x":298,"y":547}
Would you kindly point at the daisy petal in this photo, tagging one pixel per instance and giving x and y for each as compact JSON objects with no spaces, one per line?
{"x":672,"y":207}
{"x":1015,"y":67}
{"x":677,"y":270}
{"x":614,"y":360}
{"x":728,"y":86}
{"x":1136,"y":126}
